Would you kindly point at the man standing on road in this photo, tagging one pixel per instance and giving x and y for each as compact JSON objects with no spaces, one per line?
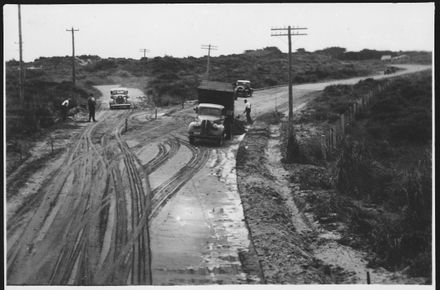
{"x":92,"y":104}
{"x":247,"y":110}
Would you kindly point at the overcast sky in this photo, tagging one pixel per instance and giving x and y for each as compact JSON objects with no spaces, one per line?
{"x":121,"y":30}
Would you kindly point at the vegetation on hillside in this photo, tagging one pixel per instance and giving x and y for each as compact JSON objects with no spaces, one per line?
{"x":169,"y":80}
{"x":383,"y":172}
{"x":42,"y":93}
{"x":341,"y":53}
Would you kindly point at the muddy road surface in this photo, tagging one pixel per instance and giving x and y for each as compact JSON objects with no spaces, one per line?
{"x":90,"y":221}
{"x":130,"y":201}
{"x":84,"y":225}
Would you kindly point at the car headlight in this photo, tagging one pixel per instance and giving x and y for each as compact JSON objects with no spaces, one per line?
{"x":194,"y":125}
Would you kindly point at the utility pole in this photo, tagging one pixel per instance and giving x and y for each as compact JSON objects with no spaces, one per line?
{"x":73,"y":53}
{"x":290,"y":32}
{"x":144,"y":50}
{"x":209,"y":47}
{"x":29,"y":107}
{"x":20,"y":75}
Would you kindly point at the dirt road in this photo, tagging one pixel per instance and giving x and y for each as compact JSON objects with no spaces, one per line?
{"x":116,"y":202}
{"x":84,"y":225}
{"x":267,"y":100}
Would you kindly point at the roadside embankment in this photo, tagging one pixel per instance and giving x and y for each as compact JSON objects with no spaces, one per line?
{"x":283,"y":251}
{"x":338,"y":212}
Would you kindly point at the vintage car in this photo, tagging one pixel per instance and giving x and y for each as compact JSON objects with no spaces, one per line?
{"x":119,"y":99}
{"x":390,"y":70}
{"x":243,"y":89}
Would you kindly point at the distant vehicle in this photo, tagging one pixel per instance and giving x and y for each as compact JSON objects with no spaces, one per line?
{"x":390,"y":70}
{"x":119,"y":99}
{"x":243,"y":89}
{"x":215,"y":113}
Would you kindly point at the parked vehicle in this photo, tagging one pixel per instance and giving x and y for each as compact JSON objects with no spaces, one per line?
{"x":215,"y":113}
{"x":390,"y":70}
{"x":243,"y":89}
{"x":119,"y":99}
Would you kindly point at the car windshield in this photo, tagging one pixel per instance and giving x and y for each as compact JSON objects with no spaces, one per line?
{"x":210,"y":111}
{"x":244,"y":84}
{"x":118,"y":92}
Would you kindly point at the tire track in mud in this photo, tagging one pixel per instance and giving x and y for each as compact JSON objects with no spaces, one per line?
{"x":125,"y":220}
{"x":90,"y":228}
{"x":46,"y":206}
{"x":141,"y":202}
{"x":133,"y":248}
{"x":82,"y":217}
{"x":167,"y":189}
{"x":73,"y":256}
{"x":163,"y":155}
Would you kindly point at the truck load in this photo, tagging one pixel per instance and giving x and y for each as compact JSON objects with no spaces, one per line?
{"x":119,"y":99}
{"x":215,"y":113}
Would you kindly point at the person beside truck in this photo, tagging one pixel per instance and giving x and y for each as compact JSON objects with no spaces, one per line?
{"x":247,"y":111}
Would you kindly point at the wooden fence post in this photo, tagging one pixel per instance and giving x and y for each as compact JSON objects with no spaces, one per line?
{"x":350,"y":113}
{"x":343,"y":124}
{"x":330,"y":142}
{"x":323,"y":147}
{"x":51,"y":143}
{"x":334,"y":138}
{"x":20,"y":149}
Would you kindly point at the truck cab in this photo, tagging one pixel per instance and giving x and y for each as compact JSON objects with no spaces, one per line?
{"x":215,"y":113}
{"x":209,"y":123}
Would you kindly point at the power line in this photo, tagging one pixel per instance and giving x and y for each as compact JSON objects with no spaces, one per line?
{"x":209,"y":47}
{"x":73,"y":53}
{"x":289,"y":32}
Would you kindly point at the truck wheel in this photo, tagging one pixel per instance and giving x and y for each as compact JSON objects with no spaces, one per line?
{"x":191,"y":140}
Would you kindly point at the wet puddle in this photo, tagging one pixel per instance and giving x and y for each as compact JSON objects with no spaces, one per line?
{"x":199,"y":235}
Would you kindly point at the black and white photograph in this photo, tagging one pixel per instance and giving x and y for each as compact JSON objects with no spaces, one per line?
{"x":219,"y":145}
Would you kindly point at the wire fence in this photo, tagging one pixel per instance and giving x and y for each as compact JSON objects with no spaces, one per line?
{"x":332,"y":138}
